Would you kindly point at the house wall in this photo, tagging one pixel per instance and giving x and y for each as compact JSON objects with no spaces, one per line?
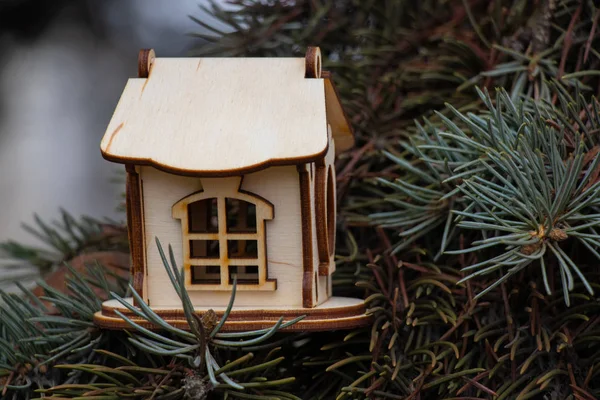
{"x":279,"y":185}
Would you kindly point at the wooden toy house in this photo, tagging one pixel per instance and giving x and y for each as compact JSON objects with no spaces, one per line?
{"x":230,"y":160}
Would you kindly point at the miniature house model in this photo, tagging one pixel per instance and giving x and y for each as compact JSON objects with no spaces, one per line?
{"x":230,"y":160}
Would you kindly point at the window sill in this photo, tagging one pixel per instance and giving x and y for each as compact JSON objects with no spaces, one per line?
{"x":268,"y":286}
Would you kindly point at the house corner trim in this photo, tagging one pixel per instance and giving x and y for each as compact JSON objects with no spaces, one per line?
{"x":307,"y":253}
{"x":135,"y":229}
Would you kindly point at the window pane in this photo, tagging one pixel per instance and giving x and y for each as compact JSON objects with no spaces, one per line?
{"x":204,"y":249}
{"x":206,"y":275}
{"x":241,"y":216}
{"x":242,"y":249}
{"x":202,"y":216}
{"x":247,"y":275}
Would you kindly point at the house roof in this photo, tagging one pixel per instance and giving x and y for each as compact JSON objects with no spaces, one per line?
{"x":222,"y":116}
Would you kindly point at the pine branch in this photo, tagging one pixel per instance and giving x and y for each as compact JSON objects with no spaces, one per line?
{"x":508,"y":184}
{"x":62,"y":240}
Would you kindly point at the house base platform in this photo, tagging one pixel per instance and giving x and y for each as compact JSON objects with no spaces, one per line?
{"x":335,"y":313}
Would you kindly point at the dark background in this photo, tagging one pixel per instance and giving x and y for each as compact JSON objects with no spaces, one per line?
{"x":63,"y":66}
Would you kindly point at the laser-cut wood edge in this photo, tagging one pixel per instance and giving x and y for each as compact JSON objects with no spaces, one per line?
{"x":312,"y":63}
{"x":135,"y":229}
{"x":324,"y":269}
{"x":307,"y":241}
{"x":316,"y":319}
{"x":309,"y":267}
{"x":145,"y":59}
{"x":321,"y":213}
{"x":325,"y":220}
{"x":265,"y":211}
{"x":276,"y":162}
{"x":343,"y":133}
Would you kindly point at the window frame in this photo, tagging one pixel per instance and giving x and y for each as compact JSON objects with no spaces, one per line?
{"x":264,"y":212}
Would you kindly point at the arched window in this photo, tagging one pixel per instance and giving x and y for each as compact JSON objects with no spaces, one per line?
{"x":224,"y":235}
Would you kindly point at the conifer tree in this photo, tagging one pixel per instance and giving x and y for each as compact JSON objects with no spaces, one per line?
{"x":469,"y":222}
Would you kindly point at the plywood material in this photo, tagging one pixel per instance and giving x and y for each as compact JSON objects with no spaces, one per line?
{"x":135,"y":229}
{"x":309,"y":287}
{"x":244,"y":114}
{"x":335,"y":313}
{"x":312,"y":62}
{"x":145,"y":60}
{"x":219,"y":115}
{"x":319,"y":287}
{"x":336,"y":117}
{"x":325,"y":209}
{"x":198,"y":134}
{"x":321,"y":181}
{"x":278,"y":185}
{"x":222,"y":189}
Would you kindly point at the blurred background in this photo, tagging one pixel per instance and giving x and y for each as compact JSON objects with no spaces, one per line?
{"x":64,"y":64}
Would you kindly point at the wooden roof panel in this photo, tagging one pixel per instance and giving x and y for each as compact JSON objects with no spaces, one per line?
{"x":221,"y":116}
